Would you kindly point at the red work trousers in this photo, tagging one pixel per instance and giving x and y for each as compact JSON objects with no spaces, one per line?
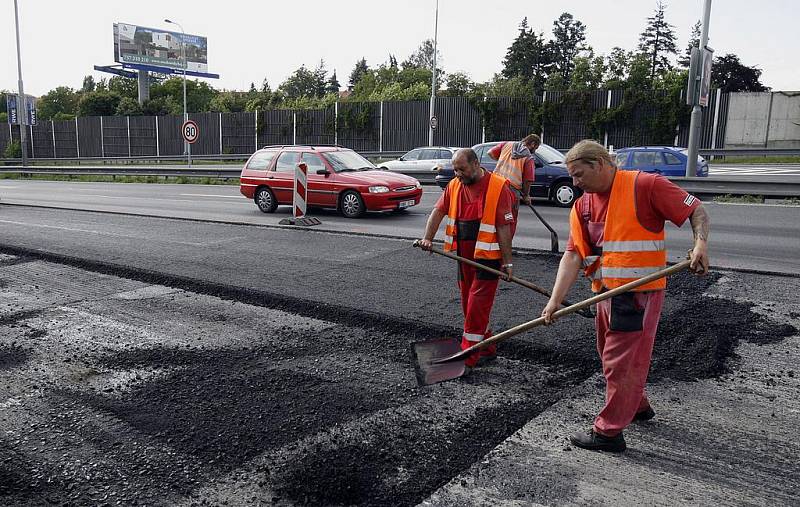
{"x":477,"y":299}
{"x":626,"y":329}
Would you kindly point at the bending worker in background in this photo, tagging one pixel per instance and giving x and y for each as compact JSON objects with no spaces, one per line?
{"x":516,"y":163}
{"x":478,"y":206}
{"x":617,"y":236}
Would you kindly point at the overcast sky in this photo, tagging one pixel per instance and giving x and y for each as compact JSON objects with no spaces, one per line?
{"x":250,"y":40}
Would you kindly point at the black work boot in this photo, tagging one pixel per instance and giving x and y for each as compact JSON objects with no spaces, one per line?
{"x":597,"y":442}
{"x":645,"y":415}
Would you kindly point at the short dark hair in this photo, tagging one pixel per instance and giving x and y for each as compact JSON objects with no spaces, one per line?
{"x":532,"y":138}
{"x":469,"y":154}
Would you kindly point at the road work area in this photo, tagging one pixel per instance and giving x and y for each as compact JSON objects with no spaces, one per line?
{"x":161,"y":362}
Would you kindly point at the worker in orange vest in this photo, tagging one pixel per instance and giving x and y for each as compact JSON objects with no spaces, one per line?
{"x":478,"y":208}
{"x":516,"y":163}
{"x":617,"y":236}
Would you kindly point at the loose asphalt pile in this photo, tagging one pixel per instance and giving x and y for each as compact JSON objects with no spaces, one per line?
{"x":150,"y":389}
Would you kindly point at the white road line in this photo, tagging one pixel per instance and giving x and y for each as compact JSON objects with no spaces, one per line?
{"x":214,"y":195}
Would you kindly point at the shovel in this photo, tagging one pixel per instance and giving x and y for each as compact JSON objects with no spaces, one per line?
{"x":553,"y":235}
{"x":584,"y":312}
{"x":440,"y":360}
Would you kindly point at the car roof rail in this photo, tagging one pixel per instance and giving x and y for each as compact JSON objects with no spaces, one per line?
{"x":274,"y":146}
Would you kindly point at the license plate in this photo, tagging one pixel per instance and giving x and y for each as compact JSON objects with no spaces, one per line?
{"x":405,"y":204}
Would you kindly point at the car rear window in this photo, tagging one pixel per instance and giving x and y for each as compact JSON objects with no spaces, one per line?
{"x":643,"y":158}
{"x":287,"y":160}
{"x":671,"y":159}
{"x":261,"y":160}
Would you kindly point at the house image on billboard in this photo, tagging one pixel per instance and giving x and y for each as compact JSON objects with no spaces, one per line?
{"x":167,"y":45}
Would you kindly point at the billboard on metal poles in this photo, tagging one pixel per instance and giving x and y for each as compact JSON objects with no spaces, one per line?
{"x":159,"y":50}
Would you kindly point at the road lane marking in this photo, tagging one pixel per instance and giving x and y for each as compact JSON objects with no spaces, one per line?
{"x":214,"y":195}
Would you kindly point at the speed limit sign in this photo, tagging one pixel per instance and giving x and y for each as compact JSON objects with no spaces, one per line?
{"x":190,"y":131}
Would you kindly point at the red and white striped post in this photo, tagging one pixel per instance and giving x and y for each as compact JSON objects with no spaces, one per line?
{"x":300,"y":190}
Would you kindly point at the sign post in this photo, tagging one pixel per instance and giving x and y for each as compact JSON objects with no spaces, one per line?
{"x":190,"y":133}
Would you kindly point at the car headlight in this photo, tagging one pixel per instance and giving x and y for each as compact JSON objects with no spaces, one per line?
{"x":380,"y":189}
{"x":418,"y":185}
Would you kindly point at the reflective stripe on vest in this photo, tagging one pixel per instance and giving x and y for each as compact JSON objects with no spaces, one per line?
{"x":487,"y":245}
{"x":629,"y":250}
{"x":510,"y":168}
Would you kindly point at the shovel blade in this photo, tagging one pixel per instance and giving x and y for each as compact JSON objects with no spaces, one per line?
{"x":428,"y":352}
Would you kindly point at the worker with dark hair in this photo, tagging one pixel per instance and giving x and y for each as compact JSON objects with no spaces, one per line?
{"x":516,"y":163}
{"x":478,"y":206}
{"x":617,"y":236}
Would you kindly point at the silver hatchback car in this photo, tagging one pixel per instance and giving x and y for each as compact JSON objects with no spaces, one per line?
{"x":420,"y":162}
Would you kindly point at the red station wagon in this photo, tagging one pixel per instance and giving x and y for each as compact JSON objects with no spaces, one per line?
{"x":337,"y":178}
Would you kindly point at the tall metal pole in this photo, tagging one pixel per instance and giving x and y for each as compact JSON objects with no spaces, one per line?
{"x":22,"y":110}
{"x":696,"y":123}
{"x":187,"y":148}
{"x":433,"y":78}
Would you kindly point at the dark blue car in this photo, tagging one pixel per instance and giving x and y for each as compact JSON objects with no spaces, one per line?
{"x":551,"y":179}
{"x":664,"y":160}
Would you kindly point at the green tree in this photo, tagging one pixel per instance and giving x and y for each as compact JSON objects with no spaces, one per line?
{"x":358,"y":72}
{"x":458,"y":85}
{"x":658,"y":42}
{"x":569,"y":39}
{"x":528,"y":57}
{"x":302,"y":83}
{"x":98,"y":103}
{"x":3,"y":104}
{"x":62,"y":99}
{"x":230,"y":101}
{"x":731,"y":75}
{"x":332,"y":85}
{"x":618,"y":63}
{"x":198,"y":93}
{"x":422,"y":57}
{"x":88,"y":84}
{"x":587,"y":73}
{"x":128,"y":107}
{"x":160,"y":106}
{"x":694,"y":42}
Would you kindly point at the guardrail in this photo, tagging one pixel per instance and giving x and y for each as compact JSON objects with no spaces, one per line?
{"x":701,"y":187}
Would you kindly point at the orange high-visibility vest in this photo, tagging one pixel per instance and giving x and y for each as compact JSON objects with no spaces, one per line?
{"x":629,"y":250}
{"x":487,"y":245}
{"x":509,"y":168}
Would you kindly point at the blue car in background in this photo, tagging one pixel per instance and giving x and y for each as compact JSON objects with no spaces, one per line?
{"x":664,"y":160}
{"x":551,"y":179}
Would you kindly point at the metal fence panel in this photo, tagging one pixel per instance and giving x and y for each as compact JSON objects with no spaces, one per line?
{"x":90,"y":136}
{"x":208,"y":141}
{"x":405,"y":125}
{"x":358,"y":126}
{"x":5,"y":136}
{"x":143,"y":136}
{"x":239,"y":133}
{"x":509,"y":118}
{"x":316,"y":126}
{"x":65,"y":135}
{"x":170,"y":141}
{"x":115,"y":136}
{"x":42,"y":139}
{"x":459,"y":123}
{"x":275,"y":127}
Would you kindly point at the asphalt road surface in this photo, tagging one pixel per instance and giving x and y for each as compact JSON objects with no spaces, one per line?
{"x":169,"y":362}
{"x":761,"y":237}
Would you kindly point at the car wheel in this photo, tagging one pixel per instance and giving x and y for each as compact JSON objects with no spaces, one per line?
{"x":265,"y":200}
{"x":351,"y":204}
{"x":564,"y":194}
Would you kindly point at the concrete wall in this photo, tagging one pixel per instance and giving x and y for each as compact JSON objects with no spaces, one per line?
{"x":763,"y":120}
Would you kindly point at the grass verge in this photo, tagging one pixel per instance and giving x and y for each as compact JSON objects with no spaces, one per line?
{"x":793,"y":159}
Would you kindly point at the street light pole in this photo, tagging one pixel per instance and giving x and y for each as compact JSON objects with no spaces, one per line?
{"x":433,"y":78}
{"x":696,"y":122}
{"x":187,"y":147}
{"x":22,"y":110}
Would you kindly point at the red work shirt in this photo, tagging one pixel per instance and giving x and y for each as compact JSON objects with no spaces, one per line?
{"x":527,"y":171}
{"x":657,"y":200}
{"x":470,"y":207}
